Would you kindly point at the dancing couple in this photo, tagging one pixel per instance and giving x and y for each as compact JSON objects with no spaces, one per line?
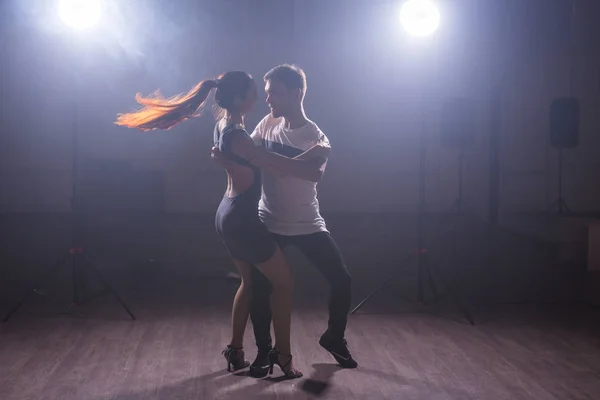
{"x":270,"y":203}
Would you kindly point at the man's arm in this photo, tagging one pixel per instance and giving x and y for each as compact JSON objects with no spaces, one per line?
{"x":318,"y":150}
{"x":217,"y":158}
{"x":310,"y":169}
{"x":320,"y":153}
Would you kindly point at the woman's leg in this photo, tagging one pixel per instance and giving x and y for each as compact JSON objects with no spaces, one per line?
{"x":279,"y":274}
{"x":241,"y":305}
{"x":234,"y":353}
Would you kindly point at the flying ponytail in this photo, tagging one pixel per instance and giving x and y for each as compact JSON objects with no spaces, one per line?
{"x":161,"y":113}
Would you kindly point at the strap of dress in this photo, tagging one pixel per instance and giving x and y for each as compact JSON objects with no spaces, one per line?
{"x":223,"y":140}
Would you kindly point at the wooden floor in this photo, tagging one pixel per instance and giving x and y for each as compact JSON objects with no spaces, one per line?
{"x":172,"y":351}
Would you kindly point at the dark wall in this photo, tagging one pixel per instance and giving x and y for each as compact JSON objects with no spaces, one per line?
{"x":374,"y":93}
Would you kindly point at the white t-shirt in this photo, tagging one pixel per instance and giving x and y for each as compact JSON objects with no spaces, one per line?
{"x":289,"y":206}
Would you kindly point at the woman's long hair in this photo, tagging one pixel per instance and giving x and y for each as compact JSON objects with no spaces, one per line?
{"x":161,"y":113}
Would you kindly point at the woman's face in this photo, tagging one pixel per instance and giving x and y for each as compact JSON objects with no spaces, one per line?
{"x":247,"y":104}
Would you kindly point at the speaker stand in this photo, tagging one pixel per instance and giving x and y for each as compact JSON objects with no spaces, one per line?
{"x":560,"y":204}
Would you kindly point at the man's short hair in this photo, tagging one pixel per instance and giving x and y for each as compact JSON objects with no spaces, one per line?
{"x":292,"y":76}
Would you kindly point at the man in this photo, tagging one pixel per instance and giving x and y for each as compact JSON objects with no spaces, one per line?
{"x":290,"y":209}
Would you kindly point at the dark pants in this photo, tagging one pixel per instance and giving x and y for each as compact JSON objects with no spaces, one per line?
{"x":321,"y":251}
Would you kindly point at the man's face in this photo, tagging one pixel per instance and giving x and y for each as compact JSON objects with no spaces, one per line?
{"x":279,"y":98}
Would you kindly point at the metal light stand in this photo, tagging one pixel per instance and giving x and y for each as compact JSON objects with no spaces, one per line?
{"x":457,"y":206}
{"x":424,"y":265}
{"x":76,"y":256}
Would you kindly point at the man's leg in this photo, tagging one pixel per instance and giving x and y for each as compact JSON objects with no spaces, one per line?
{"x":260,"y":312}
{"x":260,"y":315}
{"x":321,"y":250}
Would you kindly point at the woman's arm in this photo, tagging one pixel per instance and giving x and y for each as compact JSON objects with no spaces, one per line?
{"x":306,"y":169}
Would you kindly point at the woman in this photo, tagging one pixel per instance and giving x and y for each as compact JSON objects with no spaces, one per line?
{"x":237,"y":222}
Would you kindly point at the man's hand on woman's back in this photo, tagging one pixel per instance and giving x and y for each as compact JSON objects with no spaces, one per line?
{"x":217,"y":158}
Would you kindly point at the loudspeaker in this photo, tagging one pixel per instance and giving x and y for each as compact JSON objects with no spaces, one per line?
{"x":457,"y":123}
{"x":564,"y":123}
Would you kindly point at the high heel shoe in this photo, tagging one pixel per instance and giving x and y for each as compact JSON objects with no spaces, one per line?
{"x":235,"y":358}
{"x":285,"y":363}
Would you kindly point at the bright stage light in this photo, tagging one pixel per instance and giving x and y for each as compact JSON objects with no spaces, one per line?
{"x":80,"y":14}
{"x":419,"y":17}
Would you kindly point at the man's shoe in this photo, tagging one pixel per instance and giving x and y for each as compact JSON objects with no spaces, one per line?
{"x":339,"y":350}
{"x":260,"y":366}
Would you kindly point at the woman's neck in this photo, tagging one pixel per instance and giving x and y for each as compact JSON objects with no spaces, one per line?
{"x":234,"y":118}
